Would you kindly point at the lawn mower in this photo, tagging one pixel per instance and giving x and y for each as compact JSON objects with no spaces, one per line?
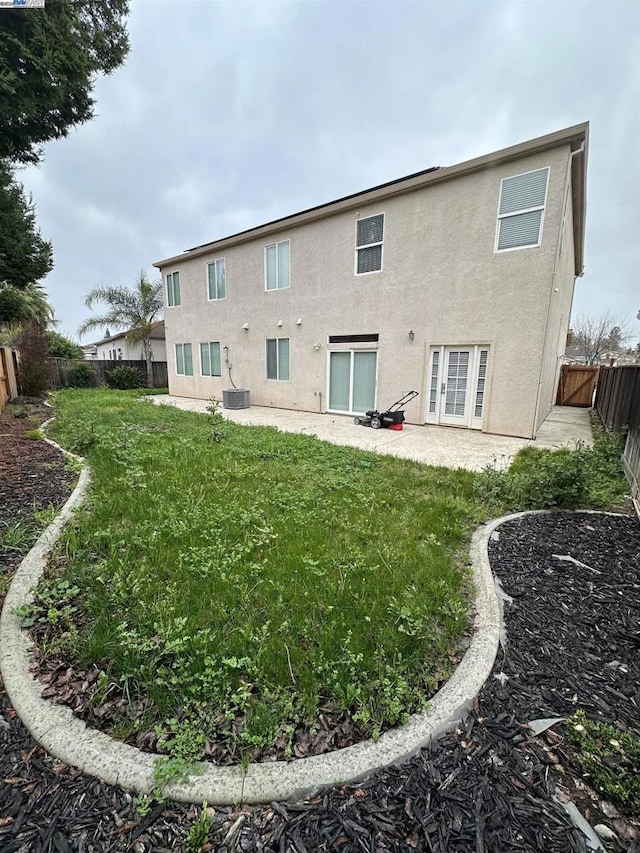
{"x":392,"y":418}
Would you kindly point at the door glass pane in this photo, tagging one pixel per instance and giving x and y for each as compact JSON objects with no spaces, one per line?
{"x":433,"y":391}
{"x":482,"y":376}
{"x":457,"y":370}
{"x":283,"y":358}
{"x":339,"y":380}
{"x":364,"y":381}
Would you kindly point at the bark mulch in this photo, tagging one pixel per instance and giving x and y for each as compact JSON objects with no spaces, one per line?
{"x":572,"y":634}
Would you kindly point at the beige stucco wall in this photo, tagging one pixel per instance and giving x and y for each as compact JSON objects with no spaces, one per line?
{"x":560,"y":302}
{"x":441,"y":279}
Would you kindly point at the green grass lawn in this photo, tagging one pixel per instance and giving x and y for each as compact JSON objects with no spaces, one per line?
{"x":251,"y":583}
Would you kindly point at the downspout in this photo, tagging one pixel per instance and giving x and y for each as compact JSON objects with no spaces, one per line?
{"x":553,"y":281}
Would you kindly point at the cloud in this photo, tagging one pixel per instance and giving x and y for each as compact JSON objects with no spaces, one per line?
{"x":227,"y":115}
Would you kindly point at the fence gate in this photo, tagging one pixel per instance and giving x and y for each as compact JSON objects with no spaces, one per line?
{"x":577,"y":384}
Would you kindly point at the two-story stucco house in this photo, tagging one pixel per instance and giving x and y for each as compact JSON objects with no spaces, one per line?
{"x":456,"y":282}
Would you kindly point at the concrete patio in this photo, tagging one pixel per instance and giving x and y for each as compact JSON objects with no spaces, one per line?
{"x":432,"y":445}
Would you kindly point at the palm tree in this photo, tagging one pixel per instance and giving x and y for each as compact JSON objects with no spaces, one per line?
{"x":24,"y":304}
{"x":136,"y":310}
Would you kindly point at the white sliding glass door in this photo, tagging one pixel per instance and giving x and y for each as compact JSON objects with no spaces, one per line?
{"x":352,"y":381}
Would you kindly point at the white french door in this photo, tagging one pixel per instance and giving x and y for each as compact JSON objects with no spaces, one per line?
{"x":457,"y":379}
{"x":352,"y":381}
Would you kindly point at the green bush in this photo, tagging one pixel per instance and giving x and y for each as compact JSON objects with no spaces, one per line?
{"x":62,"y":347}
{"x":587,"y":477}
{"x":81,"y":375}
{"x":124,"y":377}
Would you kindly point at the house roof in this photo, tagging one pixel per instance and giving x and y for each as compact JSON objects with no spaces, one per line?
{"x":156,"y":335}
{"x":576,"y":137}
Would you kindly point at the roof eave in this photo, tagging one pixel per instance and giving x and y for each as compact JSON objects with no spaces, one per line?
{"x":579,"y":156}
{"x":575,"y":136}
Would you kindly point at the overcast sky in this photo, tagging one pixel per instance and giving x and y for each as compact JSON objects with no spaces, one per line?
{"x":230,"y":114}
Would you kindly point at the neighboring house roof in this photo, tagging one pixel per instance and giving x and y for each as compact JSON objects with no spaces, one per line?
{"x":156,"y":335}
{"x":576,"y":137}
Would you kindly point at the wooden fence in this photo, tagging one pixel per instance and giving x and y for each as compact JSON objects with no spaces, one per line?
{"x":8,"y":375}
{"x":60,"y":367}
{"x":618,"y":404}
{"x":576,"y":385}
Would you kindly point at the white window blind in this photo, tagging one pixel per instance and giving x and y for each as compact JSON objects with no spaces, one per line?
{"x":277,"y":266}
{"x":210,"y":364}
{"x":184,"y":359}
{"x":278,"y":358}
{"x":522,"y":201}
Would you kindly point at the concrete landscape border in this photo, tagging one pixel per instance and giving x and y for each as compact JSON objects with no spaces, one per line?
{"x":70,"y":740}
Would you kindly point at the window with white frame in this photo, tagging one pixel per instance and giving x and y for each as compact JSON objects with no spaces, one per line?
{"x":217,"y":279}
{"x":184,"y":359}
{"x":277,"y":358}
{"x":210,"y":364}
{"x":369,"y":237}
{"x":276,"y":265}
{"x":173,"y":289}
{"x":521,"y":210}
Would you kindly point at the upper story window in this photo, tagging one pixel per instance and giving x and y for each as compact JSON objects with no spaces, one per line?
{"x":521,"y":210}
{"x":276,"y":262}
{"x":184,"y":359}
{"x":173,"y":289}
{"x":369,"y":237}
{"x":217,"y":278}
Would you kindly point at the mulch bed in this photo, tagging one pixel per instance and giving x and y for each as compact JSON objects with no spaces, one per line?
{"x":573,"y":629}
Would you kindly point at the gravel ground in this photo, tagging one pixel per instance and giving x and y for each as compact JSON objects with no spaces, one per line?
{"x":572,"y":641}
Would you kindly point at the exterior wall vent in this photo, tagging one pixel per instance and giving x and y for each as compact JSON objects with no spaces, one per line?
{"x":236,"y":398}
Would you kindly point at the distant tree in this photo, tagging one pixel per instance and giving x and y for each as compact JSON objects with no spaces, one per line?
{"x":10,"y":335}
{"x":33,"y":371}
{"x":30,"y":303}
{"x":136,"y":310}
{"x":595,"y":337}
{"x":61,"y":346}
{"x":49,"y":60}
{"x":25,"y":256}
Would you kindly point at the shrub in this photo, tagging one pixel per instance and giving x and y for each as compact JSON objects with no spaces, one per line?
{"x":33,"y":370}
{"x":124,"y":377}
{"x":81,"y":375}
{"x":567,"y":478}
{"x":62,"y":347}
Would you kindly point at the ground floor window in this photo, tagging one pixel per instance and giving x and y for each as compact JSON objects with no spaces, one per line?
{"x":184,"y":359}
{"x":352,"y":380}
{"x":457,"y":385}
{"x":277,"y":358}
{"x":210,"y":364}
